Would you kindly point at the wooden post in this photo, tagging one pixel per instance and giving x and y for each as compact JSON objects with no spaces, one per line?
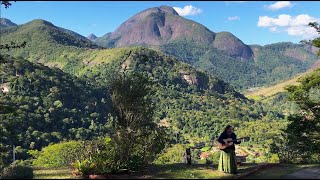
{"x":188,"y":151}
{"x":14,"y":154}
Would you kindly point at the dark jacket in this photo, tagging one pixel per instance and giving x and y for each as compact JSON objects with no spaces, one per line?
{"x":225,"y":135}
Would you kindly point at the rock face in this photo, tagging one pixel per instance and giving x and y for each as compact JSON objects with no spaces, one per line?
{"x":156,"y":26}
{"x":6,"y":23}
{"x":160,"y":25}
{"x":190,"y":79}
{"x":233,"y":46}
{"x":92,"y":37}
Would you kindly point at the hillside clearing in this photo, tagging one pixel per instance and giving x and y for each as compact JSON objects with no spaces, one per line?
{"x":259,"y":93}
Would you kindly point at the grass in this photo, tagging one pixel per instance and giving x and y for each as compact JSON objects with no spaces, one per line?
{"x":194,"y":171}
{"x":174,"y":171}
{"x":277,"y":172}
{"x":53,"y":173}
{"x":272,"y":90}
{"x":269,"y":91}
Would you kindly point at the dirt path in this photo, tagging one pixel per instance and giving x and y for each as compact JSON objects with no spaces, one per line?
{"x":305,"y":173}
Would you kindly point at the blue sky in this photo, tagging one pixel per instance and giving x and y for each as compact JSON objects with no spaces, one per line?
{"x":256,"y":22}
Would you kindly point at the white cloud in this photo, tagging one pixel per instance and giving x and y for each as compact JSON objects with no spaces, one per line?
{"x":279,"y":5}
{"x":293,"y":25}
{"x":233,"y":18}
{"x":304,"y":32}
{"x":188,"y":10}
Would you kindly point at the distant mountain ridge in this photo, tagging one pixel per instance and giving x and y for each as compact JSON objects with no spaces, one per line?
{"x":6,"y":23}
{"x":219,"y":53}
{"x":222,"y":54}
{"x":92,"y":37}
{"x":47,"y":32}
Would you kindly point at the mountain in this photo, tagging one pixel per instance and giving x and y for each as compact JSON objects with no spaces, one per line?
{"x":298,"y":51}
{"x":92,"y":37}
{"x":47,"y":44}
{"x":156,"y":26}
{"x":6,"y":23}
{"x":233,"y":46}
{"x":72,"y":33}
{"x":160,"y":25}
{"x":43,"y":32}
{"x":269,"y":65}
{"x":220,"y":53}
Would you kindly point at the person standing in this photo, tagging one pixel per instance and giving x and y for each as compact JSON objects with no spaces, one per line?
{"x":228,"y":159}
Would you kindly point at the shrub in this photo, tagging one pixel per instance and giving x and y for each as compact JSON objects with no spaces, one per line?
{"x":214,"y":157}
{"x":274,"y":158}
{"x":27,"y":162}
{"x":136,"y":162}
{"x":101,"y":159}
{"x":14,"y":171}
{"x":174,"y":154}
{"x":84,"y":167}
{"x":61,"y":154}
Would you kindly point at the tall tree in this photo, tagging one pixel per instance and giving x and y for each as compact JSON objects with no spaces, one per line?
{"x":136,"y":133}
{"x":303,"y":132}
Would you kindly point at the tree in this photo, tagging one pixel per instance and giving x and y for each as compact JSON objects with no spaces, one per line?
{"x":303,"y":132}
{"x":315,"y":42}
{"x":304,"y":128}
{"x":137,"y":137}
{"x":6,"y":4}
{"x":301,"y":138}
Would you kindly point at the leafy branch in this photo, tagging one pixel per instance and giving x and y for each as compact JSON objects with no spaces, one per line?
{"x":6,"y":4}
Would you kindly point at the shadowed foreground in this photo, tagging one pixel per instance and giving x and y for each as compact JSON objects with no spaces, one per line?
{"x":176,"y":171}
{"x":287,"y":171}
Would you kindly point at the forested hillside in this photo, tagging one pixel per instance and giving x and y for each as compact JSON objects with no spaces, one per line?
{"x":48,"y":105}
{"x":268,"y":67}
{"x":193,"y":104}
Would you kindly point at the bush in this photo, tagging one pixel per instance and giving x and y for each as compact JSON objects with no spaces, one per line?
{"x":101,"y":159}
{"x":174,"y":154}
{"x":274,"y":158}
{"x":14,"y":171}
{"x":27,"y":162}
{"x":136,"y":162}
{"x":84,"y":167}
{"x":214,"y":157}
{"x":57,"y":155}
